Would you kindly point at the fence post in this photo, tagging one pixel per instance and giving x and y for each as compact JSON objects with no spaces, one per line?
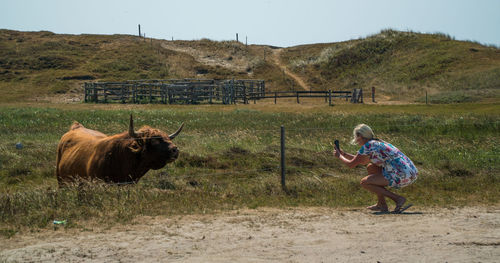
{"x":94,"y":93}
{"x":245,"y":99}
{"x":223,"y":91}
{"x":211,"y":92}
{"x":361,"y":94}
{"x":192,"y":90}
{"x":373,"y":94}
{"x":275,"y":97}
{"x":169,"y":95}
{"x":134,"y":93}
{"x":329,"y":97}
{"x":233,"y":90}
{"x":122,"y":95}
{"x":85,"y":88}
{"x":283,"y":168}
{"x":167,"y":99}
{"x":105,"y":94}
{"x":162,"y":94}
{"x":263,"y":89}
{"x":150,"y":94}
{"x":298,"y":102}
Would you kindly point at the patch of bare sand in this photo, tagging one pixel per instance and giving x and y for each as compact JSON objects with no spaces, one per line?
{"x":274,"y":235}
{"x":222,"y":58}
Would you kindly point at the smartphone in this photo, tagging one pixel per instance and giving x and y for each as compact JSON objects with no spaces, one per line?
{"x":336,"y":142}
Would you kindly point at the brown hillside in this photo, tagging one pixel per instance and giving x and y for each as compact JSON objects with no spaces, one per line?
{"x":402,"y":65}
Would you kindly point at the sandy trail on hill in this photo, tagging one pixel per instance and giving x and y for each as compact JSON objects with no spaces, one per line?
{"x":274,"y":235}
{"x":276,"y":59}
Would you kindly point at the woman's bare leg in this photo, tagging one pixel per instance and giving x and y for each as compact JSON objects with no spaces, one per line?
{"x":376,"y":184}
{"x":381,"y":205}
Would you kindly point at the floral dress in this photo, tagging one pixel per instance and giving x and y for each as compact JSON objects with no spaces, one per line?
{"x":396,"y":167}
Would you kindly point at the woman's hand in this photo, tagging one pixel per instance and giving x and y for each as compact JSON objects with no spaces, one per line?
{"x":336,"y":153}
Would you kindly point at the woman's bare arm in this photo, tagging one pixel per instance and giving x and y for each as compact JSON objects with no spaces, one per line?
{"x":355,"y":160}
{"x":347,"y":155}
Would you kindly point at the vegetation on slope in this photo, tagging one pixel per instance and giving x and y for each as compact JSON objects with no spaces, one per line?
{"x":402,"y":64}
{"x":37,"y":64}
{"x":43,"y":63}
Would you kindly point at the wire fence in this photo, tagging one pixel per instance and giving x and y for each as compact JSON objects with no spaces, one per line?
{"x":222,"y":133}
{"x":222,"y":130}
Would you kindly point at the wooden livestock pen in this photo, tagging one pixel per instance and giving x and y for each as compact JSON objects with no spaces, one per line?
{"x":185,"y":91}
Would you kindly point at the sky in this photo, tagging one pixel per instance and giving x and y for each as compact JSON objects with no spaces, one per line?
{"x":282,"y":23}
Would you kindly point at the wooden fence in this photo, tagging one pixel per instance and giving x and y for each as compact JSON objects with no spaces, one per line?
{"x":195,"y":91}
{"x":186,"y":91}
{"x":355,"y":96}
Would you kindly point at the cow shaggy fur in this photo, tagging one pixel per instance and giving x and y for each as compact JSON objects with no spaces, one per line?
{"x":88,"y":155}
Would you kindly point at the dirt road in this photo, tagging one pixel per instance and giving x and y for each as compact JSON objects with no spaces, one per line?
{"x":272,"y":235}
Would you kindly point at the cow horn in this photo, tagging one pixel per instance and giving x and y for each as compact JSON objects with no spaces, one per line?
{"x":131,"y":131}
{"x":173,"y":135}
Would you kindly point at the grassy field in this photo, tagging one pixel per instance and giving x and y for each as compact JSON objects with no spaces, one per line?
{"x":230,"y":159}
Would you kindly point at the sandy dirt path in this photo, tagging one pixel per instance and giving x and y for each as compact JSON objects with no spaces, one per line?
{"x":272,"y":235}
{"x":276,"y":59}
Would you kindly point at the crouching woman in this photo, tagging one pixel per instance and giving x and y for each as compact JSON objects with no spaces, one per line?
{"x":386,"y":166}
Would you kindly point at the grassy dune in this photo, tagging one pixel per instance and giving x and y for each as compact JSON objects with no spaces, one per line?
{"x":42,"y":63}
{"x":402,"y":65}
{"x":35,"y":65}
{"x":230,"y":159}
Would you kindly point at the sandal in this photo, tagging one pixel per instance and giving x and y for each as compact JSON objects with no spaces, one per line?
{"x":376,"y":208}
{"x":399,"y":209}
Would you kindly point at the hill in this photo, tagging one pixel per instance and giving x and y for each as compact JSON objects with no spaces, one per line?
{"x":402,"y":65}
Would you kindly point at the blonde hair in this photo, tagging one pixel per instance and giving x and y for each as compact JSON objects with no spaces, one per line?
{"x":364,"y":131}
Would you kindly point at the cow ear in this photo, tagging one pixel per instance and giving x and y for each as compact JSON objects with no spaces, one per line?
{"x":134,"y":147}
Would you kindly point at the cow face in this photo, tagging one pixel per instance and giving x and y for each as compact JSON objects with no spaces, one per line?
{"x":164,"y":147}
{"x":156,"y":147}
